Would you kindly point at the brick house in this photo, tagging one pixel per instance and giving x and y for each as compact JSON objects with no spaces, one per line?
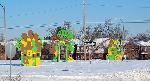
{"x":2,"y":52}
{"x":131,"y":50}
{"x":144,"y":53}
{"x":137,"y":50}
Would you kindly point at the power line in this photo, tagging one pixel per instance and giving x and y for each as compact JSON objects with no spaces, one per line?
{"x":45,"y":11}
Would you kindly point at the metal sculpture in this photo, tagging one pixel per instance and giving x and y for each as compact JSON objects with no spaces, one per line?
{"x":114,"y":51}
{"x":30,"y":47}
{"x":64,"y":37}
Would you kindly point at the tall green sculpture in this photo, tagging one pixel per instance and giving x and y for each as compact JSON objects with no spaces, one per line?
{"x":64,"y":37}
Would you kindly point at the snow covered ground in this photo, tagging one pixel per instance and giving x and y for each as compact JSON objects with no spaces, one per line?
{"x":97,"y":70}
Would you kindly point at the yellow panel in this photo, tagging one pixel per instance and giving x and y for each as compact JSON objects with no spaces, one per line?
{"x":109,"y":51}
{"x":30,"y":62}
{"x":24,"y":43}
{"x":55,"y":53}
{"x":70,"y":59}
{"x":118,"y":57}
{"x":29,"y":53}
{"x":33,"y":52}
{"x":37,"y":61}
{"x":28,"y":39}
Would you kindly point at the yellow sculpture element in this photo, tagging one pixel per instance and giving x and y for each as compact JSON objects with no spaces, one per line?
{"x":30,"y":62}
{"x":24,"y":43}
{"x":38,"y":59}
{"x":118,"y":57}
{"x":55,"y":53}
{"x":28,"y":39}
{"x":109,"y":51}
{"x":29,"y":53}
{"x":70,"y":59}
{"x":62,"y":42}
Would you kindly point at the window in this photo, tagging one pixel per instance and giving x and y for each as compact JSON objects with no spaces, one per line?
{"x":145,"y":48}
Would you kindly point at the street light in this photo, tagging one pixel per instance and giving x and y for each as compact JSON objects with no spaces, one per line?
{"x":4,"y":26}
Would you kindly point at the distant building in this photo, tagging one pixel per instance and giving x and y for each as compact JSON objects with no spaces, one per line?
{"x":144,"y":53}
{"x":137,"y":50}
{"x":131,"y":50}
{"x":2,"y":52}
{"x":96,"y":52}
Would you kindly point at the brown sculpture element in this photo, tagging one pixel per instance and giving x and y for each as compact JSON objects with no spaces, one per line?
{"x":30,"y":34}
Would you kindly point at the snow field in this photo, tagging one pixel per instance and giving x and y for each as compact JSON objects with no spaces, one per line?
{"x":98,"y":70}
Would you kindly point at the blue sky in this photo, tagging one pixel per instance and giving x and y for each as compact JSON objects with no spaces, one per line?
{"x":37,"y":12}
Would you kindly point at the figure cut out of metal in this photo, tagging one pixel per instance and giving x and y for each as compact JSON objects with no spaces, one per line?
{"x":64,"y":37}
{"x":30,"y":46}
{"x":114,"y":51}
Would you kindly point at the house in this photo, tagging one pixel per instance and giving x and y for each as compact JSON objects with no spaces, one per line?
{"x":131,"y":50}
{"x":98,"y":49}
{"x":137,"y":50}
{"x":144,"y":53}
{"x":2,"y":52}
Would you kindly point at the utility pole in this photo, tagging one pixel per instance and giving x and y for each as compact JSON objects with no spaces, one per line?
{"x":4,"y":12}
{"x":123,"y":33}
{"x":5,"y":29}
{"x":84,"y":26}
{"x":123,"y":37}
{"x":10,"y":59}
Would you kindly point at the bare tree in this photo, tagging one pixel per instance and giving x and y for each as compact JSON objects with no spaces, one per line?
{"x":109,"y":30}
{"x":53,"y":31}
{"x":67,"y":24}
{"x":142,"y":37}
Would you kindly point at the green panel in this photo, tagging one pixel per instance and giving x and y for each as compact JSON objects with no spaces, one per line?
{"x":34,"y":48}
{"x":55,"y":59}
{"x":22,"y":60}
{"x":66,"y":53}
{"x":58,"y":52}
{"x":18,"y":44}
{"x":33,"y":61}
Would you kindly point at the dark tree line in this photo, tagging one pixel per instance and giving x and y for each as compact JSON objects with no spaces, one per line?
{"x":106,"y":30}
{"x":141,"y":37}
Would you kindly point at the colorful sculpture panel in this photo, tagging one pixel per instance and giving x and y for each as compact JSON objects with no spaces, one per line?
{"x":114,"y":51}
{"x":30,"y":47}
{"x":64,"y":37}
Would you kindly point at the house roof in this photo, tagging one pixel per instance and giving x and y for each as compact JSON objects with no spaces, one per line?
{"x":142,"y":43}
{"x":104,"y":41}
